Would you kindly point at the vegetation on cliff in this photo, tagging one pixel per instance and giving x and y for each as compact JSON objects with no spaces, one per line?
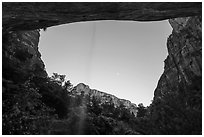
{"x":38,"y":105}
{"x":33,"y":103}
{"x":45,"y":106}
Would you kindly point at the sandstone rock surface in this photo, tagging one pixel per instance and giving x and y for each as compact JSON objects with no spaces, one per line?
{"x":184,"y":61}
{"x":30,"y":16}
{"x":105,"y":97}
{"x":21,"y":58}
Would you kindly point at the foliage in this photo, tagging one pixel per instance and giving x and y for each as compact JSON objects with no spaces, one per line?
{"x":141,"y":110}
{"x":23,"y":111}
{"x":178,"y":112}
{"x":59,"y":79}
{"x":27,"y":110}
{"x":53,"y":95}
{"x":99,"y":118}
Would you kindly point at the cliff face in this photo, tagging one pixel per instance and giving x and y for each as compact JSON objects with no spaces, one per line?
{"x":105,"y":97}
{"x":184,"y":61}
{"x":21,"y":101}
{"x":177,"y":104}
{"x":20,"y":56}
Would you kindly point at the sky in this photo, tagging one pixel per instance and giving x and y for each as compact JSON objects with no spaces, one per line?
{"x":123,"y":58}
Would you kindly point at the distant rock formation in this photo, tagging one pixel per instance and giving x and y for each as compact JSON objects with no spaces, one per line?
{"x":104,"y":97}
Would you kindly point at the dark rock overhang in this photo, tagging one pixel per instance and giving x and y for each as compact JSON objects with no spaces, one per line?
{"x":36,"y":15}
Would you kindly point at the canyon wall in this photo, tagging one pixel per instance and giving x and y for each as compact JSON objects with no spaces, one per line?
{"x":21,"y":57}
{"x":177,"y":104}
{"x":183,"y":65}
{"x":30,"y":16}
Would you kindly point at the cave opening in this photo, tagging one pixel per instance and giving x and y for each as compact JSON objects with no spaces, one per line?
{"x":122,"y":58}
{"x":33,"y":103}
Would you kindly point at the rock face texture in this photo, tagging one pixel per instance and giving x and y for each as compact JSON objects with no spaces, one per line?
{"x":30,"y":16}
{"x":105,"y":97}
{"x":184,"y":61}
{"x":21,"y":62}
{"x":21,"y":58}
{"x":177,"y":104}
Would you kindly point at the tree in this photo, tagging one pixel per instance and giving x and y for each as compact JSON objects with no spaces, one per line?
{"x":60,"y":80}
{"x":23,"y":110}
{"x":67,"y":85}
{"x":141,"y":110}
{"x":57,"y":78}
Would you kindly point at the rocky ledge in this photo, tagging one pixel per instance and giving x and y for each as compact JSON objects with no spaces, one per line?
{"x":103,"y":97}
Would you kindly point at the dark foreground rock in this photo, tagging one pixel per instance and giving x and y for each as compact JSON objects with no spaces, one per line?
{"x":178,"y":96}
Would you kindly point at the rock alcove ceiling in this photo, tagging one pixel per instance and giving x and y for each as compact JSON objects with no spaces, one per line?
{"x":183,"y":66}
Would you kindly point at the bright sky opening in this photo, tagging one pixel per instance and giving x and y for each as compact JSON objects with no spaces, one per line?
{"x":123,"y":58}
